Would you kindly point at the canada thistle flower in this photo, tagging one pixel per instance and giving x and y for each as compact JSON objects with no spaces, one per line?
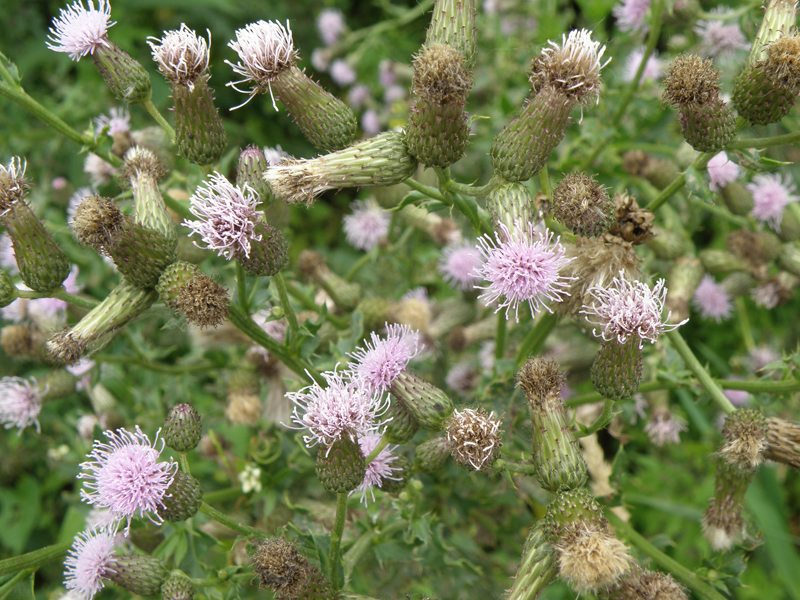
{"x":330,"y":25}
{"x":771,"y":194}
{"x":711,"y":300}
{"x":652,"y":69}
{"x":379,"y":470}
{"x":88,"y":562}
{"x":181,"y":55}
{"x":344,"y":408}
{"x":125,"y":475}
{"x":631,"y":15}
{"x":20,"y":403}
{"x":80,"y":31}
{"x":382,"y":360}
{"x":720,"y":41}
{"x":118,"y":120}
{"x":664,"y":428}
{"x":367,"y":226}
{"x":522,"y":266}
{"x":722,"y":171}
{"x":459,"y":264}
{"x":226,"y":216}
{"x":629,"y":310}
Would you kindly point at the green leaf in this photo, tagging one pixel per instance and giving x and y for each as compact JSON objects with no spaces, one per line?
{"x":410,"y":198}
{"x":19,"y":513}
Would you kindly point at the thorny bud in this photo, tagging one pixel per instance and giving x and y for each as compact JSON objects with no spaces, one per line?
{"x":617,"y":370}
{"x":183,"y":498}
{"x":427,"y":404}
{"x":8,"y":291}
{"x":583,"y":205}
{"x":249,"y":170}
{"x":140,"y":575}
{"x":189,"y":291}
{"x":341,"y":467}
{"x":143,"y":170}
{"x":177,"y":587}
{"x":453,"y":23}
{"x":474,"y":438}
{"x":344,"y":294}
{"x":269,"y":251}
{"x":182,"y":427}
{"x":431,"y":455}
{"x":511,"y":203}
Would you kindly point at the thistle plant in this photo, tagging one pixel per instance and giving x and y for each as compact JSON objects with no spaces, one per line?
{"x":475,"y":332}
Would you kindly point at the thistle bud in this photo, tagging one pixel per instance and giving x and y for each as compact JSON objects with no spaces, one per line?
{"x":617,"y":370}
{"x":378,"y":161}
{"x":269,"y":251}
{"x":182,"y":58}
{"x":189,"y":291}
{"x":737,"y":199}
{"x":140,"y":575}
{"x":783,"y":442}
{"x":720,"y":262}
{"x":659,"y":172}
{"x":684,"y":277}
{"x":464,"y":337}
{"x":473,"y":438}
{"x":280,"y":567}
{"x":510,"y":204}
{"x":123,"y":74}
{"x":343,"y":293}
{"x":376,"y":312}
{"x":561,"y":77}
{"x":723,"y":525}
{"x":537,"y":566}
{"x":124,"y":303}
{"x":583,"y":205}
{"x":143,"y":170}
{"x":401,"y":426}
{"x":183,"y":498}
{"x":429,"y":405}
{"x":42,"y":265}
{"x":182,"y":427}
{"x":738,"y":284}
{"x":453,"y":313}
{"x":745,"y":434}
{"x":177,"y":587}
{"x":453,"y":23}
{"x":250,"y":171}
{"x":667,"y":244}
{"x":431,"y":455}
{"x":401,"y":472}
{"x":437,"y":132}
{"x":557,"y":456}
{"x":341,"y":468}
{"x":589,"y":557}
{"x":8,"y":291}
{"x":57,"y":384}
{"x":788,"y":259}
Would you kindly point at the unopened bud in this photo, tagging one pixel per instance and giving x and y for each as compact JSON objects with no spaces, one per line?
{"x":720,"y":262}
{"x":429,"y":405}
{"x":537,"y":566}
{"x":250,"y":171}
{"x":8,"y":291}
{"x":401,"y":426}
{"x":269,"y":251}
{"x":737,"y":199}
{"x":510,"y":204}
{"x":189,"y":291}
{"x":666,"y":243}
{"x":143,"y":170}
{"x":343,"y":293}
{"x":682,"y":281}
{"x":617,"y":370}
{"x":341,"y":468}
{"x":583,"y":205}
{"x":177,"y":587}
{"x":401,"y":472}
{"x":474,"y":438}
{"x":658,"y":171}
{"x":183,"y":427}
{"x":183,"y":498}
{"x":140,"y":575}
{"x":431,"y":455}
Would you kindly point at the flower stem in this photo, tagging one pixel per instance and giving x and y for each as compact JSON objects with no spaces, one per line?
{"x":680,"y":346}
{"x":470,"y":190}
{"x":9,"y":585}
{"x":61,"y":294}
{"x":425,"y":189}
{"x":151,"y":108}
{"x":765,"y":142}
{"x":291,"y":317}
{"x":33,"y":560}
{"x":336,"y":541}
{"x":544,"y":182}
{"x":241,"y":288}
{"x":309,"y":304}
{"x":744,"y":324}
{"x":382,"y":443}
{"x":500,"y":336}
{"x":225,"y":520}
{"x":514,"y":467}
{"x":536,"y":337}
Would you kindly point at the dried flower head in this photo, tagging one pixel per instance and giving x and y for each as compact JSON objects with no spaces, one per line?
{"x":441,"y":75}
{"x":345,"y":407}
{"x":771,"y":194}
{"x":590,"y":557}
{"x":280,"y":567}
{"x":745,"y":434}
{"x":79,"y":31}
{"x":783,"y":62}
{"x":13,"y":185}
{"x":125,"y":475}
{"x":88,"y":561}
{"x":522,"y":266}
{"x":691,"y":80}
{"x":664,"y":428}
{"x":20,"y":403}
{"x":722,"y":171}
{"x":628,"y":309}
{"x":182,"y":56}
{"x":767,"y":295}
{"x":711,"y":300}
{"x":474,"y":438}
{"x":118,"y":120}
{"x":459,"y":265}
{"x":380,"y":361}
{"x":368,"y":224}
{"x":226,"y":216}
{"x":379,"y":470}
{"x":632,"y":15}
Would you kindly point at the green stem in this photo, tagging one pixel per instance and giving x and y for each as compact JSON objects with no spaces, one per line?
{"x":291,"y":317}
{"x":9,"y":585}
{"x":536,"y":337}
{"x":681,"y":573}
{"x":151,"y":108}
{"x":744,"y":324}
{"x":680,"y":346}
{"x":309,"y":304}
{"x":241,"y":288}
{"x":179,"y":207}
{"x":25,"y":101}
{"x":382,"y":443}
{"x":650,"y":386}
{"x":765,"y":142}
{"x":514,"y":467}
{"x":359,"y":264}
{"x":600,"y":422}
{"x":477,"y":192}
{"x":225,"y":495}
{"x":336,"y":541}
{"x":153,"y":366}
{"x":231,"y":524}
{"x":425,"y":189}
{"x":33,"y":560}
{"x":699,"y":164}
{"x":61,"y":294}
{"x":184,"y":461}
{"x":544,"y":182}
{"x":500,"y":336}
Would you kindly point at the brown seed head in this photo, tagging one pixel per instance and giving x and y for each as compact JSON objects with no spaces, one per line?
{"x":474,"y":438}
{"x":691,"y":80}
{"x":583,"y":205}
{"x":280,"y":567}
{"x":541,"y":378}
{"x":590,"y":558}
{"x":572,"y":68}
{"x":13,"y":185}
{"x":204,"y":302}
{"x":643,"y":584}
{"x":309,"y":262}
{"x":632,"y":224}
{"x":64,"y":348}
{"x":141,"y":162}
{"x":440,"y":76}
{"x":782,"y":65}
{"x":98,"y":222}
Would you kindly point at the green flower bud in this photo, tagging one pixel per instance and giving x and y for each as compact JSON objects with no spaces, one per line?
{"x":199,"y":133}
{"x":8,"y":291}
{"x":684,"y":277}
{"x":510,"y":204}
{"x":143,"y":170}
{"x":267,"y":256}
{"x":189,"y":291}
{"x":737,"y":199}
{"x":617,"y":370}
{"x":537,"y":567}
{"x":124,"y":76}
{"x":400,"y":476}
{"x":183,"y":427}
{"x":177,"y":587}
{"x":666,"y":243}
{"x":341,"y":468}
{"x":429,"y":405}
{"x":57,"y":384}
{"x":250,"y":171}
{"x":758,"y":99}
{"x":402,"y":426}
{"x":453,"y":23}
{"x":719,"y":262}
{"x":583,"y":205}
{"x":183,"y":498}
{"x":707,"y":127}
{"x":431,"y":455}
{"x":140,"y":575}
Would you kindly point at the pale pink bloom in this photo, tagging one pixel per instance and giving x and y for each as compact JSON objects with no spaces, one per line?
{"x":99,"y":171}
{"x":712,"y":301}
{"x":367,"y":226}
{"x":20,"y":403}
{"x":771,"y":194}
{"x":8,"y":261}
{"x":664,"y":428}
{"x":181,"y":55}
{"x":330,"y":24}
{"x":81,"y":369}
{"x":345,"y":407}
{"x":58,"y":183}
{"x":720,"y":41}
{"x":275,"y":156}
{"x":394,"y":93}
{"x":379,"y":470}
{"x":118,"y":120}
{"x":386,"y":75}
{"x":522,"y":266}
{"x":370,"y":122}
{"x":342,"y":73}
{"x":629,"y":310}
{"x":321,"y":59}
{"x":382,"y":360}
{"x":631,"y":15}
{"x":462,"y":377}
{"x":125,"y":475}
{"x":722,"y":171}
{"x":75,"y":200}
{"x":767,"y":295}
{"x":49,"y":314}
{"x":89,"y":559}
{"x":79,"y":31}
{"x":737,"y":397}
{"x":459,"y":265}
{"x":652,"y":68}
{"x":760,"y":356}
{"x":358,"y":95}
{"x":71,"y":284}
{"x":85,"y":427}
{"x":226,"y":216}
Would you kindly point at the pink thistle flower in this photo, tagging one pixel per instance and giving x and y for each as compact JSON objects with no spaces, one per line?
{"x":118,"y":121}
{"x":381,"y":361}
{"x":767,"y":295}
{"x":394,"y":93}
{"x":652,"y":68}
{"x":71,"y":284}
{"x":8,"y":260}
{"x":629,"y":309}
{"x":344,"y":407}
{"x":181,"y":55}
{"x":378,"y":470}
{"x":722,"y":171}
{"x":387,"y":76}
{"x":342,"y":73}
{"x":737,"y":397}
{"x":79,"y":31}
{"x":631,"y":15}
{"x":367,"y":226}
{"x":125,"y":476}
{"x":275,"y":156}
{"x":330,"y":24}
{"x":719,"y":41}
{"x":99,"y":171}
{"x":371,"y":122}
{"x":20,"y":403}
{"x":226,"y":216}
{"x":522,"y":266}
{"x":771,"y":194}
{"x":58,"y":183}
{"x":358,"y":95}
{"x":664,"y":427}
{"x":89,"y":559}
{"x":49,"y":314}
{"x":712,"y":301}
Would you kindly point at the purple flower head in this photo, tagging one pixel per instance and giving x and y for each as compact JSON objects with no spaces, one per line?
{"x":631,"y":15}
{"x":771,"y":194}
{"x":20,"y":403}
{"x":367,"y":226}
{"x":378,"y":470}
{"x":79,"y":31}
{"x":226,"y":216}
{"x":181,"y":55}
{"x":719,"y":41}
{"x":737,"y":397}
{"x":371,"y":122}
{"x":760,"y":356}
{"x":522,"y":266}
{"x":386,"y":73}
{"x":712,"y":301}
{"x":321,"y":59}
{"x":722,"y":171}
{"x":99,"y":171}
{"x":380,"y":362}
{"x":342,"y":73}
{"x":330,"y":24}
{"x":664,"y":428}
{"x":275,"y":156}
{"x":652,"y":68}
{"x":629,"y":309}
{"x":459,"y":265}
{"x":118,"y":121}
{"x":344,"y":407}
{"x":89,"y":559}
{"x":125,"y":476}
{"x":358,"y":95}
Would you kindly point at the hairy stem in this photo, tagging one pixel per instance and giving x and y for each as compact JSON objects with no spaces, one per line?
{"x":291,"y":317}
{"x":232,"y":524}
{"x":680,"y":346}
{"x":336,"y":541}
{"x":151,"y":108}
